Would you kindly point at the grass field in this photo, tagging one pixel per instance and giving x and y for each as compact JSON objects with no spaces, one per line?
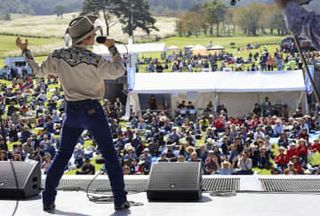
{"x":51,"y":26}
{"x":38,"y":45}
{"x":43,"y":46}
{"x":271,"y":42}
{"x":240,"y":41}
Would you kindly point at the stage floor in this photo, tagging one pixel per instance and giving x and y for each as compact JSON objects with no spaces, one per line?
{"x":246,"y":204}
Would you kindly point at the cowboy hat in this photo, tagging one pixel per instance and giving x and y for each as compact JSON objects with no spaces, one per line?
{"x":81,"y":28}
{"x":282,"y":148}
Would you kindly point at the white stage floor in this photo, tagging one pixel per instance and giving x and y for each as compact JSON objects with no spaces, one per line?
{"x":246,"y":204}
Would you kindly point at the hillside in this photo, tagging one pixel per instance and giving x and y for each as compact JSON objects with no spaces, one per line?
{"x":51,"y":26}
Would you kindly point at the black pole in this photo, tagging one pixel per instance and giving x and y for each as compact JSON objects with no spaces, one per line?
{"x":3,"y":132}
{"x":304,"y":61}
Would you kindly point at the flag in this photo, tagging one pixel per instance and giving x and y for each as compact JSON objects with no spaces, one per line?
{"x":131,"y":78}
{"x":309,"y":88}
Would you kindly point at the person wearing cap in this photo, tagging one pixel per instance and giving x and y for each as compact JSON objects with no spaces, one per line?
{"x":211,"y":164}
{"x":146,"y":157}
{"x":82,"y":74}
{"x":297,"y":164}
{"x":316,"y":145}
{"x":292,"y":151}
{"x":303,"y":152}
{"x":3,"y":155}
{"x":226,"y":168}
{"x":202,"y":152}
{"x":283,"y":140}
{"x":263,"y":161}
{"x":304,"y":134}
{"x":174,"y":136}
{"x":244,"y":164}
{"x":278,"y":128}
{"x":281,"y":159}
{"x":291,"y":170}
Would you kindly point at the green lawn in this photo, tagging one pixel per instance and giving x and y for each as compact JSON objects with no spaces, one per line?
{"x":8,"y":44}
{"x":271,"y":43}
{"x":240,"y":41}
{"x":38,"y":45}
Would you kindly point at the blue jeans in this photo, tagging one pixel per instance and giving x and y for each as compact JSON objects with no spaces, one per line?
{"x":79,"y":116}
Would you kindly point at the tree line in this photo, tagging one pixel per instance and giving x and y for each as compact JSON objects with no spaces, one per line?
{"x":132,"y":14}
{"x":216,"y":18}
{"x":38,"y":7}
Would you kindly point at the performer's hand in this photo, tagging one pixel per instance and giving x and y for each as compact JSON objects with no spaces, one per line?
{"x":109,"y":43}
{"x":282,"y":3}
{"x":21,"y":45}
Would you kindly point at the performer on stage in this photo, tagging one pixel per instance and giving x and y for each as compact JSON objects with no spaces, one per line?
{"x":82,"y":74}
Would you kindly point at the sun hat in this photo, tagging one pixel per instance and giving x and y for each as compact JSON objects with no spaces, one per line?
{"x":282,"y":148}
{"x":81,"y":28}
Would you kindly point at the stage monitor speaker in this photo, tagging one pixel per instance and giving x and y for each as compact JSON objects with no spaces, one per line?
{"x":28,"y":176}
{"x":175,"y":182}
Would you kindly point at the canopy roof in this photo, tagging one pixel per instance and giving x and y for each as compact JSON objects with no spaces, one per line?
{"x":215,"y":47}
{"x":199,"y":47}
{"x":158,"y":83}
{"x":173,"y":48}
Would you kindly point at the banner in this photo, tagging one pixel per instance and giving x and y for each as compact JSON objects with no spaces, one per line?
{"x":309,"y":88}
{"x":131,"y":71}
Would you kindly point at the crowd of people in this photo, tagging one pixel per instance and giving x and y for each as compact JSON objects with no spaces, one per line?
{"x":257,"y":60}
{"x":33,"y":112}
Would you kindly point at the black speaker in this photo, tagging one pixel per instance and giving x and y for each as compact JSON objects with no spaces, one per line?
{"x":175,"y":182}
{"x":28,"y":176}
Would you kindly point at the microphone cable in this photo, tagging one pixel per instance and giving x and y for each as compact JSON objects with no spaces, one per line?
{"x":106,"y":199}
{"x":17,"y":188}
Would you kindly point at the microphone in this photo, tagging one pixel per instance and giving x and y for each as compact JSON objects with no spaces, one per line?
{"x":102,"y":40}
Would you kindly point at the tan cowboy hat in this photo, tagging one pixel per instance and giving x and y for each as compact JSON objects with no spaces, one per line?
{"x":282,"y":148}
{"x":81,"y":28}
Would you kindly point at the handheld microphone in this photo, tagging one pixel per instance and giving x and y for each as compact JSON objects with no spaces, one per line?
{"x":102,"y":40}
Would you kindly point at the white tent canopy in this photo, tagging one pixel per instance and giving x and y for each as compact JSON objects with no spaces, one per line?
{"x":199,"y":47}
{"x":173,"y":48}
{"x":132,"y":48}
{"x":215,"y":47}
{"x":239,"y":91}
{"x":157,"y":83}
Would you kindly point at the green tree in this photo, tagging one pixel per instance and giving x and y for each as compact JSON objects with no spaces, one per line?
{"x":59,"y":10}
{"x":134,"y":14}
{"x":191,"y":23}
{"x":276,"y":21}
{"x":248,"y":18}
{"x":215,"y":14}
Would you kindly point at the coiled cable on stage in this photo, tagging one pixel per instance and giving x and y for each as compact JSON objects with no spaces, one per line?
{"x":106,"y":199}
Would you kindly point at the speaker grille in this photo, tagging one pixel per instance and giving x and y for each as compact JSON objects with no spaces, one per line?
{"x":22,"y":170}
{"x":140,"y":185}
{"x":28,"y":177}
{"x":165,"y":176}
{"x":291,"y":185}
{"x":100,"y":184}
{"x":221,"y":184}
